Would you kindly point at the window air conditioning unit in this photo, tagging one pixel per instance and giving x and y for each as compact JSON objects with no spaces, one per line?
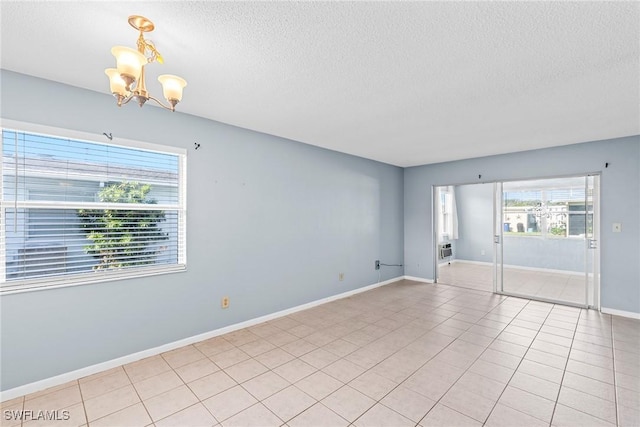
{"x":445,"y":250}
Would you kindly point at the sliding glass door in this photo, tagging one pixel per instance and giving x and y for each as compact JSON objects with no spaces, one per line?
{"x":545,"y":237}
{"x":592,"y":236}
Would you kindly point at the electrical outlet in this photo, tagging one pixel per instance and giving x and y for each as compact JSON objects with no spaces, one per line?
{"x":377,"y":264}
{"x":341,"y":276}
{"x":224,"y":303}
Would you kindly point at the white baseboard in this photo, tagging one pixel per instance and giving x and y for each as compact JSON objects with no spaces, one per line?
{"x":545,"y":270}
{"x":466,"y":261}
{"x":94,"y":369}
{"x":621,"y":313}
{"x":418,"y":279}
{"x":520,"y":267}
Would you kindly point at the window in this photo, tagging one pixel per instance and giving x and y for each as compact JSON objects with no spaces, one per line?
{"x":446,"y":223}
{"x":76,"y":211}
{"x":448,"y":214}
{"x":580,"y":219}
{"x":555,"y":212}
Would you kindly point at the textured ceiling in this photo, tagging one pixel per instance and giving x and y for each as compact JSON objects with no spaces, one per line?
{"x":405,"y":83}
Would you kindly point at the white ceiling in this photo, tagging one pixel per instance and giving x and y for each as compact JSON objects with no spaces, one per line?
{"x":405,"y":83}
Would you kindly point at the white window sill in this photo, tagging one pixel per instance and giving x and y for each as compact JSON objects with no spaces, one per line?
{"x":30,"y":285}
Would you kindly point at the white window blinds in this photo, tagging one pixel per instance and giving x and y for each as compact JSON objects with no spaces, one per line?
{"x":76,"y":211}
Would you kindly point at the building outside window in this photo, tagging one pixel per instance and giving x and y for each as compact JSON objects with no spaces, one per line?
{"x":557,"y":212}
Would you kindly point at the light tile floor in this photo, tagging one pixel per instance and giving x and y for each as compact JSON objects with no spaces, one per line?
{"x":406,"y":354}
{"x":467,"y":275}
{"x":564,"y":287}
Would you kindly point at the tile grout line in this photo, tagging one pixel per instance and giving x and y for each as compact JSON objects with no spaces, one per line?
{"x":189,"y":388}
{"x":131,"y":383}
{"x":320,"y":370}
{"x":397,"y":351}
{"x":476,"y":359}
{"x":519,"y":363}
{"x":290,"y":384}
{"x":24,"y":402}
{"x":268,"y":370}
{"x":564,"y":371}
{"x":238,"y":384}
{"x":594,"y":379}
{"x":84,"y":408}
{"x":260,"y":401}
{"x":137,"y":394}
{"x":379,"y":401}
{"x":493,"y":340}
{"x":615,"y":388}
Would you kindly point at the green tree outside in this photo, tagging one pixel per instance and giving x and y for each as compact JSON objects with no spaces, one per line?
{"x":122,"y":237}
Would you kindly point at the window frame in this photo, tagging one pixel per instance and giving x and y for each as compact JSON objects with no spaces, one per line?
{"x":52,"y":282}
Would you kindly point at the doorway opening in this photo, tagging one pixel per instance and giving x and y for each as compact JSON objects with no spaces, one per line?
{"x":535,"y":239}
{"x":464,"y":217}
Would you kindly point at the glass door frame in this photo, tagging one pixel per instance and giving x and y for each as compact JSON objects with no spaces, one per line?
{"x":498,"y":229}
{"x":593,"y":244}
{"x":592,"y":250}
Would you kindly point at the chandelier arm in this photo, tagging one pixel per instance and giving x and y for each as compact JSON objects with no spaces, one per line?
{"x":170,"y":108}
{"x":127,"y":99}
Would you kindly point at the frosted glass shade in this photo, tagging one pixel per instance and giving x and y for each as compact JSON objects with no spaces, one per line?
{"x":129,"y":62}
{"x":118,"y":86}
{"x":172,"y":87}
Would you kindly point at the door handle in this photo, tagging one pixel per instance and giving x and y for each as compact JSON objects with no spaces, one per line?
{"x":496,"y":238}
{"x":593,"y":244}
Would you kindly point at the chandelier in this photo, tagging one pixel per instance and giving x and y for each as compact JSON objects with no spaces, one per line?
{"x":127,"y":79}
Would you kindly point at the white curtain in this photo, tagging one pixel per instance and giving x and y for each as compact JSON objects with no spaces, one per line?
{"x":440,"y":221}
{"x":447,"y":213}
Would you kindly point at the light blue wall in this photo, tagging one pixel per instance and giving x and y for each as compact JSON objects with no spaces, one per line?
{"x":271,"y":224}
{"x":475,"y":222}
{"x":567,"y":254}
{"x":475,"y":229}
{"x":620,"y":202}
